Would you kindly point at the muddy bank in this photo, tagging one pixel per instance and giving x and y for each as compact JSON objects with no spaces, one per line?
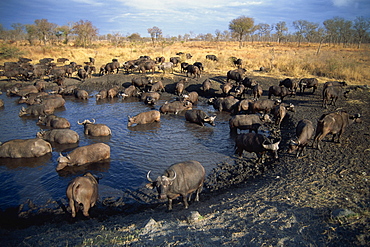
{"x":290,"y":202}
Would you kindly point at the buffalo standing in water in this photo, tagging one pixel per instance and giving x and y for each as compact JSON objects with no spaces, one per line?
{"x":180,"y":179}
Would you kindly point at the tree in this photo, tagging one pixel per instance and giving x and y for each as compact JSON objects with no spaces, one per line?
{"x":241,"y":26}
{"x":65,"y":31}
{"x":18,"y":31}
{"x":45,"y":30}
{"x":304,"y":28}
{"x":134,"y":37}
{"x":155,"y":34}
{"x":263,"y":30}
{"x":85,"y":32}
{"x":31,"y":30}
{"x":361,"y":26}
{"x":281,"y":29}
{"x":339,"y":30}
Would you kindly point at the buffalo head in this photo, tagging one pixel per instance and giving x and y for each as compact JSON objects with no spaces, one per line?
{"x":86,"y":121}
{"x":63,"y":161}
{"x":274,"y":147}
{"x":163,"y":183}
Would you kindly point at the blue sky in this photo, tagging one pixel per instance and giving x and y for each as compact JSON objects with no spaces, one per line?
{"x":176,"y":17}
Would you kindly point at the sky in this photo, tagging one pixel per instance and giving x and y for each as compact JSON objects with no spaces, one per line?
{"x":176,"y":17}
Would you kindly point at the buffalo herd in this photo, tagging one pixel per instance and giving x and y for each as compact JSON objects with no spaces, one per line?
{"x":241,"y":97}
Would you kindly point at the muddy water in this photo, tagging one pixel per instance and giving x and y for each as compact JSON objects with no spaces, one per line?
{"x":134,"y":151}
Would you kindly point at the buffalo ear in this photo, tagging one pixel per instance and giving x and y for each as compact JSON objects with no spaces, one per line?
{"x":150,"y":185}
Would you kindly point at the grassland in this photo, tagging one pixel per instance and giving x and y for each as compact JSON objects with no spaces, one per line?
{"x":282,"y":60}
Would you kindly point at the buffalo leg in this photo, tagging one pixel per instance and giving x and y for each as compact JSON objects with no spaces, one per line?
{"x":186,"y":204}
{"x":86,"y":209}
{"x":169,"y":204}
{"x":74,"y":207}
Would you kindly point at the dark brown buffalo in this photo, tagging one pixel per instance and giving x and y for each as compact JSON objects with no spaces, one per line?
{"x":251,"y":122}
{"x":290,"y":84}
{"x":32,"y":98}
{"x":248,"y":82}
{"x":150,"y":98}
{"x":53,"y":101}
{"x":82,"y":190}
{"x":263,"y":105}
{"x":183,"y":67}
{"x":144,"y":118}
{"x":90,"y":128}
{"x":175,"y":61}
{"x":206,"y":85}
{"x":22,"y":91}
{"x":180,"y":179}
{"x":158,"y":86}
{"x":229,"y":103}
{"x":279,"y":91}
{"x":332,"y":93}
{"x":212,"y":57}
{"x":103,"y":94}
{"x":255,"y":143}
{"x":236,"y":75}
{"x":280,"y":112}
{"x":199,"y":65}
{"x":334,"y":123}
{"x":53,"y":121}
{"x":60,"y":136}
{"x":257,"y":91}
{"x":192,"y":97}
{"x":226,"y":88}
{"x":148,"y":65}
{"x":308,"y":83}
{"x":36,"y":110}
{"x":193,"y":70}
{"x":243,"y":105}
{"x":341,"y":84}
{"x":141,"y":82}
{"x":180,"y":86}
{"x":113,"y":92}
{"x":175,"y":107}
{"x":130,"y":92}
{"x":24,"y":148}
{"x":81,"y":94}
{"x":304,"y":132}
{"x":199,"y":117}
{"x":84,"y":155}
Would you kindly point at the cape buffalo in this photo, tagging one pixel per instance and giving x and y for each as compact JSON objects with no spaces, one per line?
{"x":228,"y":103}
{"x":308,"y":83}
{"x":144,"y":118}
{"x":175,"y":107}
{"x":250,"y":122}
{"x":193,"y":70}
{"x":255,"y":143}
{"x":290,"y":84}
{"x":280,"y":91}
{"x":150,"y":98}
{"x":82,"y":190}
{"x":304,"y":132}
{"x":90,"y":128}
{"x":199,"y":117}
{"x":54,"y":122}
{"x":36,"y":110}
{"x":84,"y":155}
{"x":60,"y":136}
{"x":180,"y":179}
{"x":24,"y":148}
{"x":333,"y":123}
{"x":236,"y":75}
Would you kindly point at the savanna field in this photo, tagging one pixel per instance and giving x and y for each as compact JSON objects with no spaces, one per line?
{"x":318,"y":199}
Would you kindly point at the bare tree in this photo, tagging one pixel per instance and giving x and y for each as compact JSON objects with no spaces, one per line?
{"x":45,"y":30}
{"x":281,"y":29}
{"x":85,"y":32}
{"x":361,"y":26}
{"x":263,"y":30}
{"x":155,"y":34}
{"x":65,"y":31}
{"x":339,"y":30}
{"x":241,"y":26}
{"x":305,"y":30}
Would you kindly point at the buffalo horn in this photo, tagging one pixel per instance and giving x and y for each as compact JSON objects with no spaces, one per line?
{"x":357,"y":115}
{"x":93,"y":121}
{"x":80,"y":123}
{"x":171,"y":179}
{"x":148,"y":177}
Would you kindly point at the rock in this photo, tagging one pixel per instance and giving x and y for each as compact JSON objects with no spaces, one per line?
{"x":194,"y":216}
{"x":149,"y":226}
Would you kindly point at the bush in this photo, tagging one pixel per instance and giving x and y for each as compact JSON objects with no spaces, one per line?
{"x":8,"y":52}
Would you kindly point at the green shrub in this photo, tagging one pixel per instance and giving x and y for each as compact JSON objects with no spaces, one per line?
{"x":8,"y":52}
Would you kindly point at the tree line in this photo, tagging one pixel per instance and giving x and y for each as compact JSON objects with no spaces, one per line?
{"x":243,"y":29}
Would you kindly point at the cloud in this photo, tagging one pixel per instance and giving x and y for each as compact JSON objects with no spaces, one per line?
{"x":343,"y":3}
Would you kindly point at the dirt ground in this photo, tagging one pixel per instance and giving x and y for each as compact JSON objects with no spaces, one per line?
{"x":320,"y":199}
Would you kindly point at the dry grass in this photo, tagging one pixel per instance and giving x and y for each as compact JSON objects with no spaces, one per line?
{"x":283,"y":60}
